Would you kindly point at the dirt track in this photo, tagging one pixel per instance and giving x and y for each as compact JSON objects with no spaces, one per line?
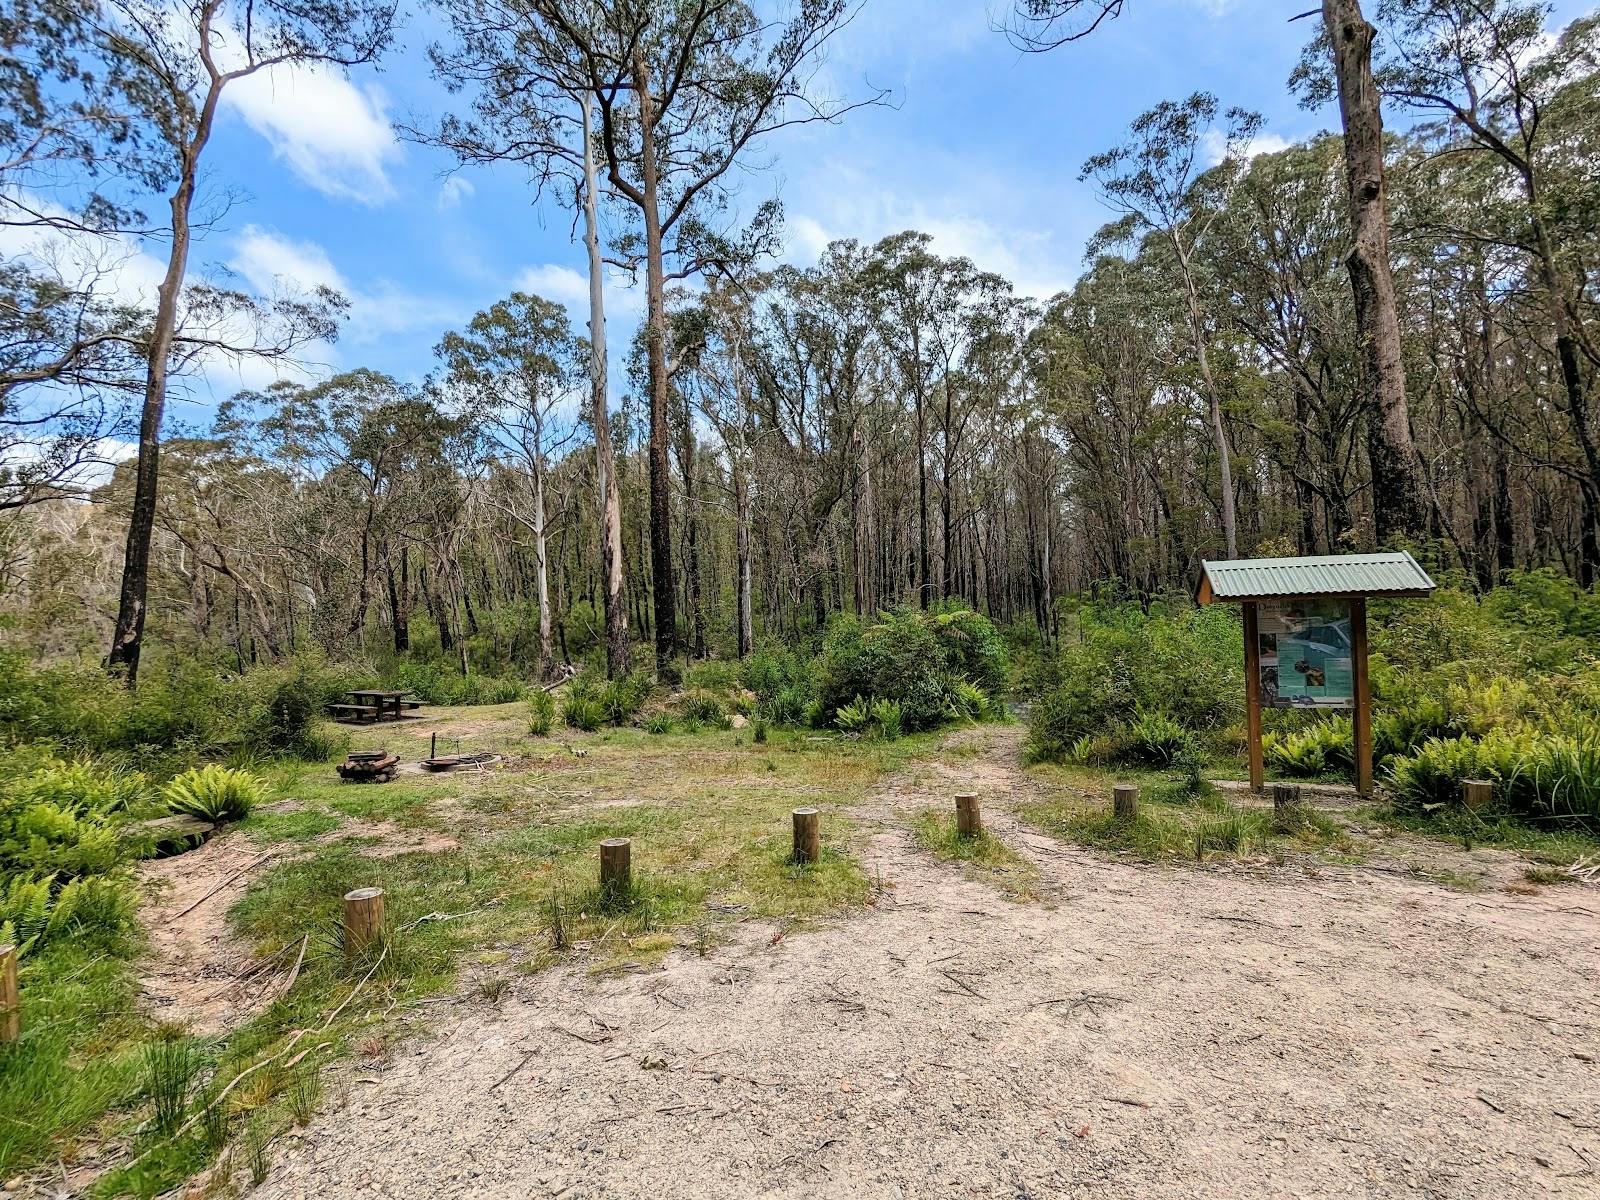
{"x":1142,"y":1032}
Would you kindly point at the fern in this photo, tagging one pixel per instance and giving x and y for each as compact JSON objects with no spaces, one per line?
{"x":214,"y":793}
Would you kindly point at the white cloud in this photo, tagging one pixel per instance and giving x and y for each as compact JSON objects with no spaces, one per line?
{"x":273,"y":263}
{"x":453,"y":191}
{"x":333,"y":134}
{"x":1022,"y":255}
{"x":553,"y":281}
{"x":1215,"y":145}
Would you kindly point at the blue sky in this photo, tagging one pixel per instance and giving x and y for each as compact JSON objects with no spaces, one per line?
{"x":982,"y":151}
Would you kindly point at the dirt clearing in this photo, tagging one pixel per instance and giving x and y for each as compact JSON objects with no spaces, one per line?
{"x":1141,"y":1031}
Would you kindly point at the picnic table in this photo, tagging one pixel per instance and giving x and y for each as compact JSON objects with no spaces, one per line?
{"x":373,"y":704}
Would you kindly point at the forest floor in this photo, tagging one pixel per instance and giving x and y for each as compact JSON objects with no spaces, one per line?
{"x":1383,"y":1015}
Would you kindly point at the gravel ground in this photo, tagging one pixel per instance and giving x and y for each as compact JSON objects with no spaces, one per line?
{"x":1140,"y":1032}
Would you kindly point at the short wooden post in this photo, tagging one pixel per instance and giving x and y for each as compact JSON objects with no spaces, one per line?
{"x":969,"y":818}
{"x":363,"y":919}
{"x":10,"y":1004}
{"x":807,"y":835}
{"x":1285,"y":797}
{"x":1125,"y":801}
{"x":1476,"y":793}
{"x":616,"y":866}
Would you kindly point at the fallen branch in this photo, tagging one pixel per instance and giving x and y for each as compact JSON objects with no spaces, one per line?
{"x":249,"y":866}
{"x":294,"y":972}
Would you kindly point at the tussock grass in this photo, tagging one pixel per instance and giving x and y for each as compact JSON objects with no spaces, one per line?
{"x":986,"y":856}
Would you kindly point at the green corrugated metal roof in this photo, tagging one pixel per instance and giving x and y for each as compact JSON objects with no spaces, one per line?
{"x":1329,"y":575}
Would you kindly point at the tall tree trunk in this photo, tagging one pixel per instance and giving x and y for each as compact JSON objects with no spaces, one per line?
{"x":399,"y":600}
{"x":541,"y":556}
{"x":612,"y":574}
{"x":128,"y":635}
{"x":1397,"y":495}
{"x":1219,"y":431}
{"x":656,"y":356}
{"x":741,"y":506}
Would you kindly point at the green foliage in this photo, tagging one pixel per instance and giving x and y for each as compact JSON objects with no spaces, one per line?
{"x":170,"y":1065}
{"x":1534,"y":774}
{"x":622,"y":698}
{"x":1127,"y":666}
{"x":888,"y":716}
{"x":1324,"y":746}
{"x":541,"y":712}
{"x":781,"y":681}
{"x":658,"y":723}
{"x":61,"y":818}
{"x":583,"y":711}
{"x":703,"y":707}
{"x":1156,"y":740}
{"x":853,"y":717}
{"x":914,"y":659}
{"x":214,"y":793}
{"x":435,"y":682}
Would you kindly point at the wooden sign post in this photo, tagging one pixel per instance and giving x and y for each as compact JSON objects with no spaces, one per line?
{"x":1305,"y":636}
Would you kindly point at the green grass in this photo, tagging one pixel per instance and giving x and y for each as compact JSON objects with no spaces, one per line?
{"x":1551,"y":843}
{"x":709,"y":819}
{"x":1172,"y":824}
{"x":985,"y":856}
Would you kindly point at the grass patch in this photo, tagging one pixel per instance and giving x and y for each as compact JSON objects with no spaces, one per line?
{"x":1550,"y":844}
{"x":1178,"y":819}
{"x":985,"y":856}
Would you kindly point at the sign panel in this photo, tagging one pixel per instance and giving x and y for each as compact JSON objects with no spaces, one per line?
{"x":1305,"y":654}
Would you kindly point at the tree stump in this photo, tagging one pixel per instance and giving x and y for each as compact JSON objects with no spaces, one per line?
{"x":1285,"y":797}
{"x":616,"y":867}
{"x":969,"y":819}
{"x":1476,"y":793}
{"x":10,"y":1004}
{"x":807,"y":835}
{"x":1125,"y":801}
{"x":363,"y":919}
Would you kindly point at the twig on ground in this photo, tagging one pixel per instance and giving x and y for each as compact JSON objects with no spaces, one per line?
{"x":249,"y":866}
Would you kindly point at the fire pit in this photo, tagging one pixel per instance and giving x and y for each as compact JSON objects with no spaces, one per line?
{"x":369,"y":766}
{"x":449,"y":762}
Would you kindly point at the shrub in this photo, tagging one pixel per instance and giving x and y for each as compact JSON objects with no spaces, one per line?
{"x":1156,"y":740}
{"x":788,"y":705}
{"x":853,"y":717}
{"x":704,"y":708}
{"x":541,"y":712}
{"x":622,"y":698}
{"x":33,"y":911}
{"x":1534,"y":774}
{"x":582,"y":711}
{"x":63,"y":819}
{"x":1187,"y":668}
{"x":214,"y":793}
{"x":771,"y":671}
{"x":1327,"y":745}
{"x":901,"y":657}
{"x":888,"y":717}
{"x":973,"y":648}
{"x":658,"y":723}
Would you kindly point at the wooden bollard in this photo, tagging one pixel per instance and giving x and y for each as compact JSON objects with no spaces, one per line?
{"x":363,"y":919}
{"x":1285,"y":797}
{"x":807,"y":835}
{"x":10,"y":1004}
{"x":1476,"y":793}
{"x":969,"y":818}
{"x":616,"y":866}
{"x":1125,"y":801}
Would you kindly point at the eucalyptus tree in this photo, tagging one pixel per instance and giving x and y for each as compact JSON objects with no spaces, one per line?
{"x":513,"y":369}
{"x":532,"y":103}
{"x":1156,"y":181}
{"x":1485,"y":67}
{"x":179,"y":59}
{"x":683,"y":92}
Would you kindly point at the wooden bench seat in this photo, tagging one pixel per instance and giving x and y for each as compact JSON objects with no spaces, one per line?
{"x":356,"y":710}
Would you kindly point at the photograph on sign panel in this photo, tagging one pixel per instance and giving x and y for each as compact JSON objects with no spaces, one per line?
{"x":1305,"y":654}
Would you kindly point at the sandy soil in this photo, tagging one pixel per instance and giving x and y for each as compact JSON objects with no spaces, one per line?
{"x":197,"y":972}
{"x":1140,"y":1032}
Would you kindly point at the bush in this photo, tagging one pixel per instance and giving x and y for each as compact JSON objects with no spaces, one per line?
{"x":1156,"y":740}
{"x":541,"y":712}
{"x":911,"y":658}
{"x":888,"y":717}
{"x":658,"y":723}
{"x":33,"y":911}
{"x":853,"y":717}
{"x":60,"y":819}
{"x":1189,"y":669}
{"x":779,"y":677}
{"x":622,"y":698}
{"x":1327,"y":745}
{"x":1534,"y":774}
{"x":583,"y":711}
{"x":701,"y":707}
{"x":214,"y":793}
